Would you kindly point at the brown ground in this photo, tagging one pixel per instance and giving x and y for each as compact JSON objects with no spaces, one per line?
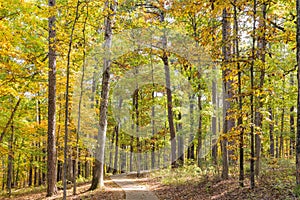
{"x":273,"y":184}
{"x":111,"y":192}
{"x":214,"y":188}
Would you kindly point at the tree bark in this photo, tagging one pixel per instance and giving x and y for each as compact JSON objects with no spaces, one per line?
{"x":191,"y":147}
{"x":116,"y":149}
{"x":180,"y":142}
{"x":271,"y":133}
{"x":98,"y":170}
{"x":51,"y":147}
{"x":153,"y":133}
{"x":298,"y":100}
{"x":199,"y":131}
{"x":292,"y":124}
{"x":131,"y":154}
{"x":240,"y":98}
{"x":110,"y":167}
{"x":228,"y":123}
{"x":137,"y":128}
{"x":68,"y":169}
{"x":10,"y":162}
{"x":281,"y":152}
{"x":252,"y":135}
{"x":261,"y":42}
{"x":80,"y":97}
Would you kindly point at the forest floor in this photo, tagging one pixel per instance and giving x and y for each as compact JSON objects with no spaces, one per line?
{"x":111,"y":192}
{"x":274,"y":183}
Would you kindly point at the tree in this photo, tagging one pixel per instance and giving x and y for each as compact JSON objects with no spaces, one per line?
{"x":228,"y":123}
{"x":298,"y":101}
{"x":51,"y":147}
{"x":252,"y":159}
{"x":98,"y":170}
{"x":240,"y":98}
{"x":165,"y":60}
{"x":67,"y":103}
{"x":261,"y":43}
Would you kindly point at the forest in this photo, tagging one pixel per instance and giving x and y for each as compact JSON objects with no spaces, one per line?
{"x":149,"y":99}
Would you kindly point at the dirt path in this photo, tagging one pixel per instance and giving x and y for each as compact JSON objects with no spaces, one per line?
{"x":132,"y":188}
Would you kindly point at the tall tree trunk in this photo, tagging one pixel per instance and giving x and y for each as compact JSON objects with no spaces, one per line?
{"x":199,"y":131}
{"x":30,"y":173}
{"x":292,"y":123}
{"x":137,"y":128}
{"x":51,"y":147}
{"x":281,"y":152}
{"x":87,"y":167}
{"x":252,"y":135}
{"x":271,"y":132}
{"x":80,"y":96}
{"x":131,"y":154}
{"x":98,"y":170}
{"x":153,"y":133}
{"x":165,"y":60}
{"x":228,"y":123}
{"x":69,"y":166}
{"x":214,"y":152}
{"x":180,"y":142}
{"x":123,"y":158}
{"x":110,"y":165}
{"x":115,"y":171}
{"x":191,"y":147}
{"x":298,"y":100}
{"x":170,"y":111}
{"x":261,"y":43}
{"x":10,"y":162}
{"x":240,"y":98}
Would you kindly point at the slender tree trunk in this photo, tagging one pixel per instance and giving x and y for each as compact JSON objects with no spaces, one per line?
{"x":214,"y":152}
{"x":165,"y":60}
{"x":87,"y":167}
{"x":170,"y":111}
{"x":240,"y":99}
{"x":137,"y":128}
{"x":131,"y":154}
{"x":191,"y":147}
{"x":298,"y":100}
{"x":292,"y":131}
{"x":153,"y":133}
{"x":199,"y":131}
{"x":228,"y":123}
{"x":292,"y":123}
{"x":51,"y":147}
{"x":30,"y":173}
{"x":252,"y":135}
{"x":281,"y":152}
{"x":110,"y":165}
{"x":80,"y":97}
{"x":66,"y":159}
{"x":271,"y":133}
{"x":261,"y":43}
{"x":180,"y":142}
{"x":98,"y":170}
{"x":10,"y":162}
{"x":115,"y":171}
{"x":277,"y":144}
{"x":123,"y":158}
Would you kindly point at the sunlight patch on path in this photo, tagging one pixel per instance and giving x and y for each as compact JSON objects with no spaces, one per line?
{"x":133,"y":190}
